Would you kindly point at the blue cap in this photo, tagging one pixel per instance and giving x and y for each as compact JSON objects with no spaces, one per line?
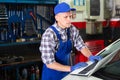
{"x":62,"y":7}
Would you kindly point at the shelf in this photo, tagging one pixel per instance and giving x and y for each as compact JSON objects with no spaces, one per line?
{"x":38,"y":1}
{"x":18,"y":43}
{"x":8,"y":1}
{"x":20,"y":63}
{"x":33,"y":57}
{"x":30,"y":1}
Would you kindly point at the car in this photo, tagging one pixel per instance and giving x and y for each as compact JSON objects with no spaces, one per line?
{"x":111,"y":68}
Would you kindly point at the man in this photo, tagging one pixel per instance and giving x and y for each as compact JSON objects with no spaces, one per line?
{"x":57,"y":43}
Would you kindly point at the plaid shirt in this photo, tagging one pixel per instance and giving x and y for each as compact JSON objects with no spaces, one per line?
{"x":50,"y":42}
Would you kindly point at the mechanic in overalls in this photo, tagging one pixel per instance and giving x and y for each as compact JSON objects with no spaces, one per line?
{"x":57,"y":43}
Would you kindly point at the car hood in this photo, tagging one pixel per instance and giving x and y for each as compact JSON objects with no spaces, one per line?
{"x":110,"y":50}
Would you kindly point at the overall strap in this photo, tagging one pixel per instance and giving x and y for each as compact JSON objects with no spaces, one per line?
{"x":57,"y":33}
{"x":68,"y":33}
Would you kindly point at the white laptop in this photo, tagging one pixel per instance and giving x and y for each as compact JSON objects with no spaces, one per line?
{"x":107,"y":53}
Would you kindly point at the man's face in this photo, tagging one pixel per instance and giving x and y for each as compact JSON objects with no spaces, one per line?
{"x":64,"y":19}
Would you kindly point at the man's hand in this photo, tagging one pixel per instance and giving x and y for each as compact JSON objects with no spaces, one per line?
{"x":94,"y":58}
{"x":78,"y":65}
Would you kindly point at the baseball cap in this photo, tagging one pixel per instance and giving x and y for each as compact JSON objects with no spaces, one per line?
{"x":62,"y":7}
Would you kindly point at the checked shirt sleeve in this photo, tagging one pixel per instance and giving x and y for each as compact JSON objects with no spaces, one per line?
{"x":47,"y":47}
{"x":77,"y":40}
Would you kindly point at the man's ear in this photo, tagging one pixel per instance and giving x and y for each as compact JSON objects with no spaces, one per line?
{"x":56,"y":17}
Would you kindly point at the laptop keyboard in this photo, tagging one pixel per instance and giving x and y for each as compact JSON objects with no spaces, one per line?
{"x":88,"y":68}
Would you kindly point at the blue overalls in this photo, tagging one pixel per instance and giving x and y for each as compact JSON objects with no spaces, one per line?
{"x":61,"y":56}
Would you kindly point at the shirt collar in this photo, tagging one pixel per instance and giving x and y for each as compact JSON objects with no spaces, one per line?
{"x":59,"y":28}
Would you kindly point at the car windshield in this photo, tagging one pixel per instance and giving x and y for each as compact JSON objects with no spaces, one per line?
{"x":111,"y":48}
{"x":112,"y":69}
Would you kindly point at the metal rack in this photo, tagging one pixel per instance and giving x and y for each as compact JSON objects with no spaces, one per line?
{"x":19,"y":50}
